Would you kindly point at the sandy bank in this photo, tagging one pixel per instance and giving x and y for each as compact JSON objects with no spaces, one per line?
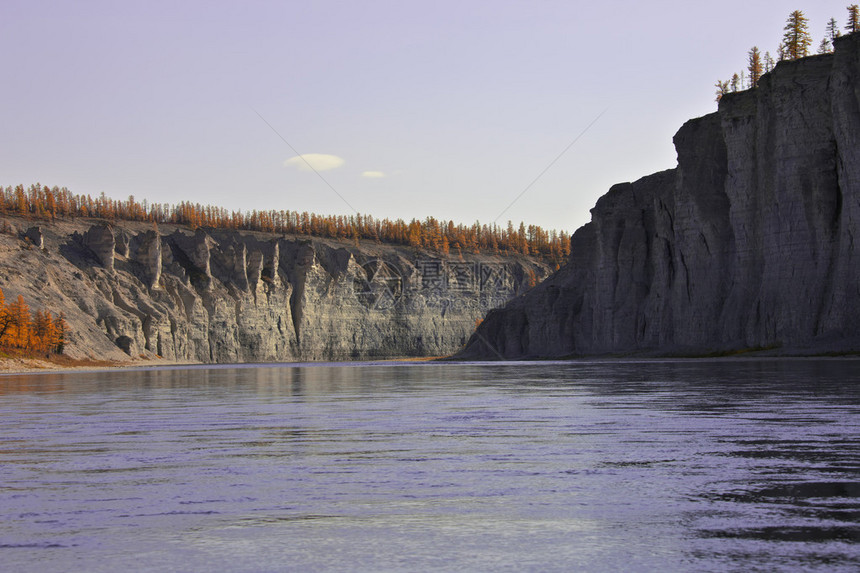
{"x":39,"y":366}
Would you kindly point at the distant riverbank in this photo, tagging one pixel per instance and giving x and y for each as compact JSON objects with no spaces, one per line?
{"x":19,"y":365}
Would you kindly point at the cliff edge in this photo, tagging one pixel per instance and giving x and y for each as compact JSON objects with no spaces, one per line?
{"x":749,"y":243}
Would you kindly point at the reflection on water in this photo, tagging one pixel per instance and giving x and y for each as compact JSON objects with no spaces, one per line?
{"x":264,"y":380}
{"x":672,"y":465}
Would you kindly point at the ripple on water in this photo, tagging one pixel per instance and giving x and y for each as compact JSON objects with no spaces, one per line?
{"x":598,"y":466}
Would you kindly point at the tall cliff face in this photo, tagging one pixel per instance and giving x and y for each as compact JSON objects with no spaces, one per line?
{"x":748,"y":243}
{"x":224,"y":296}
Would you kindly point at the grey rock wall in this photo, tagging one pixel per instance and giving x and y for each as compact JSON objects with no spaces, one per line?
{"x":748,"y":244}
{"x":228,"y":297}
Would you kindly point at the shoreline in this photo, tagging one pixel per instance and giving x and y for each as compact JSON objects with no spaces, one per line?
{"x":34,"y":366}
{"x":18,"y":365}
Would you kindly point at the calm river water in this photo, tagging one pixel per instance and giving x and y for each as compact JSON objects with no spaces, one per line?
{"x":592,"y":466}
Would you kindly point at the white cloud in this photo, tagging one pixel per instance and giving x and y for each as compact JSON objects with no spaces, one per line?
{"x":373,"y":174}
{"x":314,"y":161}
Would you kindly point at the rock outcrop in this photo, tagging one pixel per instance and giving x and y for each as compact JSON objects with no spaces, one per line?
{"x":748,"y":244}
{"x":130,"y":291}
{"x":101,"y":242}
{"x":147,"y":253}
{"x":35,"y":236}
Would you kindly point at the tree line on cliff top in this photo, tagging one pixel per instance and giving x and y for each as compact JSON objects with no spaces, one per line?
{"x":796,"y":44}
{"x":445,"y":237}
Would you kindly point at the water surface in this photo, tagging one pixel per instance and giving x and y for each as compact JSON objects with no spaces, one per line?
{"x":595,"y":466}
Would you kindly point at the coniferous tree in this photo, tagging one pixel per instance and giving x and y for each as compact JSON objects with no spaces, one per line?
{"x":768,"y":62}
{"x":833,"y":30}
{"x":5,"y":317}
{"x":830,"y":35}
{"x":19,"y":331}
{"x":43,"y":332}
{"x":722,"y":89}
{"x":755,"y":66}
{"x":796,"y":40}
{"x":735,"y":83}
{"x":853,"y":24}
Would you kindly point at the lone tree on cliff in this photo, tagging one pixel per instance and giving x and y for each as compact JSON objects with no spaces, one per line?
{"x":722,"y":89}
{"x":735,"y":83}
{"x":833,"y":30}
{"x":768,"y":62}
{"x":796,"y":40}
{"x":755,"y":66}
{"x":853,"y":19}
{"x":830,"y":35}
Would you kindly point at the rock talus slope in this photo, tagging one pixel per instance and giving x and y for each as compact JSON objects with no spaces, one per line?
{"x":750,"y":242}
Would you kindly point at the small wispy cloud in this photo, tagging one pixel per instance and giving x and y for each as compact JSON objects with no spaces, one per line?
{"x":314,"y":162}
{"x":373,"y":174}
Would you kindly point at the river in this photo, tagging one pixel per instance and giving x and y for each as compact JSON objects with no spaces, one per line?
{"x":721,"y":465}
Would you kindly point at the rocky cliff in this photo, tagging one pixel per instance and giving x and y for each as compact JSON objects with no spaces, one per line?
{"x":131,"y":291}
{"x":748,"y":243}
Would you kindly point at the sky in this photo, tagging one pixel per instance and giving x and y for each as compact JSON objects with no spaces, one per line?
{"x":407,"y":109}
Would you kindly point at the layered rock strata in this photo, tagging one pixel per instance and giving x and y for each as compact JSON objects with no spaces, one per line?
{"x":750,"y":243}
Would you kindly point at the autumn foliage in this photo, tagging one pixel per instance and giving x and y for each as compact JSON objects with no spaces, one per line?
{"x":444,"y":237}
{"x":33,"y":333}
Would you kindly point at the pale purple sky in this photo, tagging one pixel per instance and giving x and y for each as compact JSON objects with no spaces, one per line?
{"x":445,"y":108}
